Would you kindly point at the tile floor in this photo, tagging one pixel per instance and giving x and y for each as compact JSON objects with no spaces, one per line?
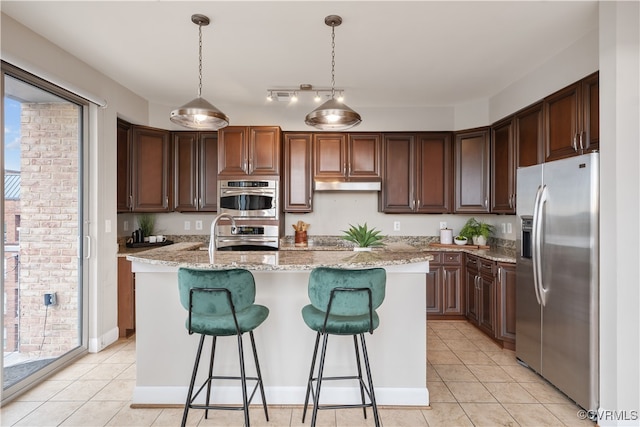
{"x":471,"y":380}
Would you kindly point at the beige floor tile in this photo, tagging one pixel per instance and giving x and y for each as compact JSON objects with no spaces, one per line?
{"x":488,"y":414}
{"x":121,"y":356}
{"x":278,"y":416}
{"x":355,"y":418}
{"x":474,"y":357}
{"x":73,"y":372}
{"x":442,"y":324}
{"x":81,"y":390}
{"x":223,"y":418}
{"x":532,"y":415}
{"x":15,"y":411}
{"x":486,"y":344}
{"x":436,"y":344}
{"x":544,"y":392}
{"x":509,"y":392}
{"x":44,"y":391}
{"x":432,"y":374}
{"x":326,"y":418}
{"x":454,"y":373}
{"x":49,"y":414}
{"x":450,"y":334}
{"x":128,"y":374}
{"x":105,"y":371}
{"x":490,"y":373}
{"x":568,"y":414}
{"x":121,"y":390}
{"x":464,"y":344}
{"x":446,"y":415}
{"x":470,"y":392}
{"x":439,"y":392}
{"x":503,"y":357}
{"x":442,"y":357}
{"x":138,"y":417}
{"x":171,"y":417}
{"x":402,"y":418}
{"x":94,"y":414}
{"x":522,"y":374}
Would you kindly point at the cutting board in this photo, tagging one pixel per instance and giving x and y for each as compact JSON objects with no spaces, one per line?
{"x":442,"y":245}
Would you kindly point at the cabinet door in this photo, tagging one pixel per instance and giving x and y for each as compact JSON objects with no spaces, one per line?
{"x":264,"y":150}
{"x":233,"y":151}
{"x":434,"y":289}
{"x":486,"y":302}
{"x":506,"y":303}
{"x":453,"y":293}
{"x":208,"y":172}
{"x":398,"y":173}
{"x":472,"y":171}
{"x":185,"y":172}
{"x":124,"y":167}
{"x":433,"y":172}
{"x":529,"y":132}
{"x":471,"y":288}
{"x":503,"y":167}
{"x":126,"y":298}
{"x":562,"y":120}
{"x":329,"y":156}
{"x":150,"y":169}
{"x":298,"y":182}
{"x":363,"y":151}
{"x":591,"y":112}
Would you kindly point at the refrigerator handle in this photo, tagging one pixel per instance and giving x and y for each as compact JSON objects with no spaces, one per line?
{"x":541,"y":202}
{"x":535,"y":247}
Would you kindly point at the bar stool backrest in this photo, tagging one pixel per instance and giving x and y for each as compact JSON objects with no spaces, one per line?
{"x":239,"y":282}
{"x":323,"y":280}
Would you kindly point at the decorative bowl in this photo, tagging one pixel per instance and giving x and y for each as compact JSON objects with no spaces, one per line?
{"x":460,"y":242}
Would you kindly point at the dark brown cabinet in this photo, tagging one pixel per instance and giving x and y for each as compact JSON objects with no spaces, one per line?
{"x":572,"y":119}
{"x":445,"y":293}
{"x":472,"y":165}
{"x":298,"y":180}
{"x":529,"y":133}
{"x":480,"y":292}
{"x":143,"y":169}
{"x":249,"y":150}
{"x":195,"y":171}
{"x":126,"y":298}
{"x":346,"y":157}
{"x":416,"y":173}
{"x":506,"y":305}
{"x":503,"y":167}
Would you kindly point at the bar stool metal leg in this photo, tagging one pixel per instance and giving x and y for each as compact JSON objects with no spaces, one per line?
{"x":243,"y":381}
{"x":213,"y":353}
{"x":310,"y":381}
{"x":316,"y":397}
{"x":372,"y":394}
{"x":192,"y":382}
{"x":355,"y":345}
{"x":255,"y":357}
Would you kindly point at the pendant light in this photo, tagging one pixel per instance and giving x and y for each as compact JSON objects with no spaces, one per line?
{"x":333,"y":114}
{"x":198,"y":113}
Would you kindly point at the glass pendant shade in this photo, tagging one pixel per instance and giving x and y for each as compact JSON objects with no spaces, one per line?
{"x":199,"y":114}
{"x":333,"y":115}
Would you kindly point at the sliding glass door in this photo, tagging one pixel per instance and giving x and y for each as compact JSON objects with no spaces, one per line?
{"x":42,"y":286}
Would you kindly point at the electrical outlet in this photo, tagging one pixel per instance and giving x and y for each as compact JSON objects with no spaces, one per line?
{"x":509,"y":229}
{"x":396,"y":225}
{"x":50,"y":299}
{"x":126,"y":226}
{"x":198,"y":225}
{"x":187,"y":225}
{"x":443,"y":225}
{"x":504,"y":227}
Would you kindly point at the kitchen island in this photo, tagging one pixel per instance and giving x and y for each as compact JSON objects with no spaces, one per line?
{"x":165,"y":351}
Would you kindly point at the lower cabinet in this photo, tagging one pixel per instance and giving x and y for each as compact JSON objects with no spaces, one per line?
{"x":126,"y":298}
{"x":490,"y":298}
{"x":445,"y":293}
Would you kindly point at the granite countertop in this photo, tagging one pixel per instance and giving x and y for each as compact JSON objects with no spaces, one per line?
{"x":188,"y":254}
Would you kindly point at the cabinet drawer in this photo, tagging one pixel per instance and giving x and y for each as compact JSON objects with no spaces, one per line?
{"x":451,"y":258}
{"x":437,"y":258}
{"x":472,"y":262}
{"x":486,"y":265}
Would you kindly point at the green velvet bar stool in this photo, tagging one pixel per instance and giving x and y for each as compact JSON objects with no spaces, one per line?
{"x":221,"y":303}
{"x":343,"y":302}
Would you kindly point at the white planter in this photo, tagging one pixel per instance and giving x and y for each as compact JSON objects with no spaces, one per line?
{"x":359,"y":249}
{"x":479,"y":240}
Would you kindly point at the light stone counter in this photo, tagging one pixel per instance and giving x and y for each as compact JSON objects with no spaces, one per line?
{"x":165,"y":351}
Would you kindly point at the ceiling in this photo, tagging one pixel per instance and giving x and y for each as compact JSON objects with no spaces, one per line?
{"x":388,"y":53}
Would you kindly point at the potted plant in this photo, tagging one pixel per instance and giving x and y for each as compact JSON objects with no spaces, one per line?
{"x":477,"y":231}
{"x":365,"y":238}
{"x":483,"y":232}
{"x":146,"y":222}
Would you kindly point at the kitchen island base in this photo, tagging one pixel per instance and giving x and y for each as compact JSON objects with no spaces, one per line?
{"x":165,"y":351}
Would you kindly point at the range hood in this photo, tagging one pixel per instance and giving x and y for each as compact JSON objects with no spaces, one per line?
{"x":347,"y":185}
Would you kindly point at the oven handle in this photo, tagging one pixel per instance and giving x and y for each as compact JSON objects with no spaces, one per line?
{"x":247,"y":239}
{"x":247,"y":192}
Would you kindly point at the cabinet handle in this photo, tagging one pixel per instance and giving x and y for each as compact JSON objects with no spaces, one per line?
{"x":130,"y":202}
{"x":344,"y":169}
{"x":582,"y":147}
{"x":201,"y":204}
{"x":486,"y":202}
{"x":500,"y":275}
{"x":575,"y":142}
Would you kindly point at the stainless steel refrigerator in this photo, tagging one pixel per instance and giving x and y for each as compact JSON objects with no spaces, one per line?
{"x":557,"y":274}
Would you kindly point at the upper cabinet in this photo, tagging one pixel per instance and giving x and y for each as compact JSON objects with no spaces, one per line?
{"x":249,"y":151}
{"x":297,"y":176}
{"x":572,"y":120}
{"x":416,"y":172}
{"x":503,"y":167}
{"x":529,"y":132}
{"x":143,"y":169}
{"x":195,"y":171}
{"x":472,"y":164}
{"x":346,"y":156}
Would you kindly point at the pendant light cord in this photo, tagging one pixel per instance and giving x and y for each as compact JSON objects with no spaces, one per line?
{"x":200,"y":60}
{"x":333,"y":61}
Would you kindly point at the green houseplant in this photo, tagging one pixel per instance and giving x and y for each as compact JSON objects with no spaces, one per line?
{"x":146,"y":222}
{"x":363,"y":236}
{"x":477,"y":231}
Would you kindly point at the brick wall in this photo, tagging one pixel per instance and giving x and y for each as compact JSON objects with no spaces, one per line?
{"x":49,"y":228}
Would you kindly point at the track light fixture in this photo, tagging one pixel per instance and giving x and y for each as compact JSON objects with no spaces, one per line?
{"x":292,"y":94}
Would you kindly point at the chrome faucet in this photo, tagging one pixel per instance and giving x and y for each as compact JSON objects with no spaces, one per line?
{"x":212,"y":237}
